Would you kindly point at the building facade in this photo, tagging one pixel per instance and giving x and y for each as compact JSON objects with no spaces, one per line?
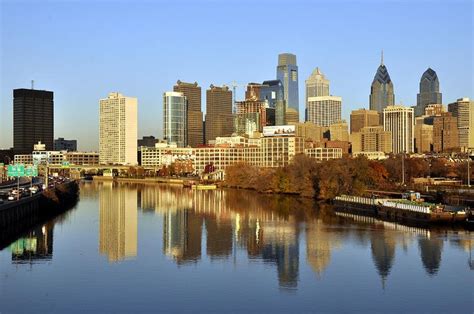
{"x":362,"y":118}
{"x":429,"y":92}
{"x":287,"y":73}
{"x":219,"y":118}
{"x":118,"y":130}
{"x":272,"y":93}
{"x":317,"y":85}
{"x":381,"y":90}
{"x":62,"y":144}
{"x":463,"y":110}
{"x":324,"y":110}
{"x":339,"y":131}
{"x":445,"y":133}
{"x":147,"y":141}
{"x":423,"y":136}
{"x":400,"y":121}
{"x":194,"y":123}
{"x":371,"y":139}
{"x":175,"y":118}
{"x":33,"y":119}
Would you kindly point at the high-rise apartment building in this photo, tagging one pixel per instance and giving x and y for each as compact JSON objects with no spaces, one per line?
{"x":429,"y":92}
{"x":194,"y":123}
{"x":219,"y":118}
{"x":33,"y":119}
{"x":400,"y":121}
{"x":371,"y":139}
{"x":381,"y":90}
{"x":463,"y":110}
{"x":445,"y":133}
{"x":361,"y":118}
{"x":423,"y":135}
{"x":175,"y":118}
{"x":118,"y":130}
{"x":324,"y":110}
{"x":287,"y":73}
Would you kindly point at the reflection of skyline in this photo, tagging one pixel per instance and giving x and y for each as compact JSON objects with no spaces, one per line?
{"x":118,"y":221}
{"x":36,"y":246}
{"x":319,"y":243}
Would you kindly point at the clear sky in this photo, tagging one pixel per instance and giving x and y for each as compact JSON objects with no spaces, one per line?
{"x":82,"y":50}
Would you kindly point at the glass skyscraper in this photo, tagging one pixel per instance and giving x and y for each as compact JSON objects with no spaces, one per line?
{"x":429,"y":92}
{"x":174,"y":118}
{"x":381,"y":90}
{"x":287,"y":73}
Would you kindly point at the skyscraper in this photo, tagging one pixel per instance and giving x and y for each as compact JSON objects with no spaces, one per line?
{"x":381,"y":90}
{"x":429,"y":92}
{"x":324,"y":110}
{"x":272,"y":93}
{"x":362,"y":118}
{"x":174,"y":118}
{"x":445,"y":133}
{"x":118,"y":130}
{"x":33,"y":119}
{"x":194,"y":124}
{"x":317,"y":85}
{"x":219,"y":118}
{"x":463,"y":110}
{"x":287,"y":73}
{"x":400,"y":121}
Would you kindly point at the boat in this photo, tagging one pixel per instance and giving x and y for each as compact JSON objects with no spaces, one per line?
{"x":204,"y":187}
{"x":411,"y":208}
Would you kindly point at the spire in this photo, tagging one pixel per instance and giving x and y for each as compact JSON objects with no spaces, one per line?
{"x":381,"y":59}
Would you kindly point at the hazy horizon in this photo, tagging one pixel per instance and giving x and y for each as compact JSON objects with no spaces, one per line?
{"x":83,"y":50}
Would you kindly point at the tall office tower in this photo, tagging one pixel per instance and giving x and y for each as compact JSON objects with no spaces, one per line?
{"x":117,"y":221}
{"x":317,"y":85}
{"x":429,"y":92}
{"x":339,"y":131}
{"x":324,"y":110}
{"x":33,"y":119}
{"x":219,"y":118}
{"x":175,"y":118}
{"x":361,"y":118}
{"x":287,"y":73}
{"x":292,"y":116}
{"x":463,"y":110}
{"x":423,"y":135}
{"x":381,"y":90}
{"x":371,"y":139}
{"x":445,"y":133}
{"x":272,"y":93}
{"x":194,"y":124}
{"x":118,"y":130}
{"x":63,"y":144}
{"x":400,"y":121}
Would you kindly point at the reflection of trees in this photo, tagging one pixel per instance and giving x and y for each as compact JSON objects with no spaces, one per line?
{"x":430,"y":250}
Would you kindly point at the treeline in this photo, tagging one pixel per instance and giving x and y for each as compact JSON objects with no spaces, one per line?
{"x":325,"y":180}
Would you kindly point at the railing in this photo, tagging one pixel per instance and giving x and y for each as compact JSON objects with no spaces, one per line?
{"x":410,"y":207}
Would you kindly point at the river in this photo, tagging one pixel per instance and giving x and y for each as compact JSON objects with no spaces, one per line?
{"x":162,"y":248}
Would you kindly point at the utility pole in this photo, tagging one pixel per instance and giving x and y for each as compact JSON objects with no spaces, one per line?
{"x":403,"y":168}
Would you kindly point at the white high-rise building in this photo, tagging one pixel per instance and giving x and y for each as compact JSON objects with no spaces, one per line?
{"x":118,"y":130}
{"x":324,"y":110}
{"x":400,"y":121}
{"x":175,"y":118}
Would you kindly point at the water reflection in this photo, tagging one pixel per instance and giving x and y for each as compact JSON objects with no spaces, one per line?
{"x":35,"y":247}
{"x":277,"y":231}
{"x":118,"y":222}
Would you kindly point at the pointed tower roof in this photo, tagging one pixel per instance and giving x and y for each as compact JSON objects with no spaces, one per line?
{"x":430,"y":75}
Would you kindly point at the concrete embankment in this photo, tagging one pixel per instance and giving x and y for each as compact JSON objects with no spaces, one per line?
{"x":19,"y":216}
{"x":141,"y":180}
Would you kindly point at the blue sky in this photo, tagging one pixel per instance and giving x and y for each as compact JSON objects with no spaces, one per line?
{"x":82,"y":50}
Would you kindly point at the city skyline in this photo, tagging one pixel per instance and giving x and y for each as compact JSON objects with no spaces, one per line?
{"x":80,"y":79}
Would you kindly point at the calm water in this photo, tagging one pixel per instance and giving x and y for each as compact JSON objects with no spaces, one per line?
{"x":132,"y":248}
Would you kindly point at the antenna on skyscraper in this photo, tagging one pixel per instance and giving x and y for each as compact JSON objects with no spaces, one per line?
{"x":32,"y":84}
{"x":381,"y":58}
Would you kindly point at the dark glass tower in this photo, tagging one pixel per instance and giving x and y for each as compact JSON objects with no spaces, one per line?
{"x":429,"y":92}
{"x":287,"y":73}
{"x":33,"y":119}
{"x":381,"y":90}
